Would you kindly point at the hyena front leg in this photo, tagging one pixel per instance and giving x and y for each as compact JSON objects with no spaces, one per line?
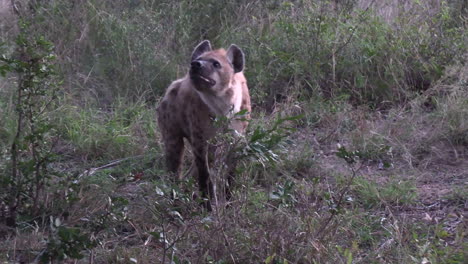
{"x":174,"y":147}
{"x":203,"y":171}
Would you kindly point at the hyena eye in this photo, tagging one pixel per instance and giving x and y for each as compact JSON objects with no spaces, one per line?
{"x":217,"y":65}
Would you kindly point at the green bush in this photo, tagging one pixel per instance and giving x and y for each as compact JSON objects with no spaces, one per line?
{"x":26,"y":171}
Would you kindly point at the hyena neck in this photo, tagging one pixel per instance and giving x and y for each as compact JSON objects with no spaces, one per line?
{"x":223,"y":103}
{"x":218,"y":105}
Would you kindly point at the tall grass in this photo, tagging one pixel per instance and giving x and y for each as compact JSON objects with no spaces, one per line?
{"x":333,"y":50}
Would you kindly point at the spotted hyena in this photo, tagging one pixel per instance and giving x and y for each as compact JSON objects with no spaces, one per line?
{"x":214,"y":86}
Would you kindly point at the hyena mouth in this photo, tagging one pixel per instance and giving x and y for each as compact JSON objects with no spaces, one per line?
{"x":204,"y":79}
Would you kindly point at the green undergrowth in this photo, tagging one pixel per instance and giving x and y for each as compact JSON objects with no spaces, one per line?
{"x":395,"y":192}
{"x":119,"y":131}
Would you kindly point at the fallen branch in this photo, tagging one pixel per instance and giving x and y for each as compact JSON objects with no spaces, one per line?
{"x":114,"y":163}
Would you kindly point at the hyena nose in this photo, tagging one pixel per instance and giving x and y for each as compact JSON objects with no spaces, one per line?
{"x":196,"y":65}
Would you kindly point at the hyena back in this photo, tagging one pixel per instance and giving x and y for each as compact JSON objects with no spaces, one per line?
{"x":214,"y":86}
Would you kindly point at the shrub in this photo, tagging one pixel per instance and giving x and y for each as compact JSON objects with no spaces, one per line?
{"x":28,"y":171}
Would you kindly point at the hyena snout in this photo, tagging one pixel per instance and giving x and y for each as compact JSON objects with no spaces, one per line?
{"x":200,"y":67}
{"x":200,"y":72}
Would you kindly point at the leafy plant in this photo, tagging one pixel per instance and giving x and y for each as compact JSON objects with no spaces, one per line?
{"x":336,"y":202}
{"x":283,"y":195}
{"x":262,"y":145}
{"x":115,"y":213}
{"x":64,"y":243}
{"x":262,"y":142}
{"x":31,"y":147}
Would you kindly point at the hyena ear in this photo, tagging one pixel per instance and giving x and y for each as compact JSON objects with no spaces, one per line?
{"x":236,"y":57}
{"x":201,"y":48}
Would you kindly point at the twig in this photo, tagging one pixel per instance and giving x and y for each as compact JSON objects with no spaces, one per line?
{"x":321,"y":231}
{"x":322,"y":140}
{"x":15,"y":8}
{"x":91,"y":171}
{"x":352,"y":31}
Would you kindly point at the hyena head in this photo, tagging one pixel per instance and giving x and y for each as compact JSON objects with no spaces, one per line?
{"x":212,"y":71}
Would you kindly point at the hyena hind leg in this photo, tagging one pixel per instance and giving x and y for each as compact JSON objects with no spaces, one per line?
{"x":231,"y":174}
